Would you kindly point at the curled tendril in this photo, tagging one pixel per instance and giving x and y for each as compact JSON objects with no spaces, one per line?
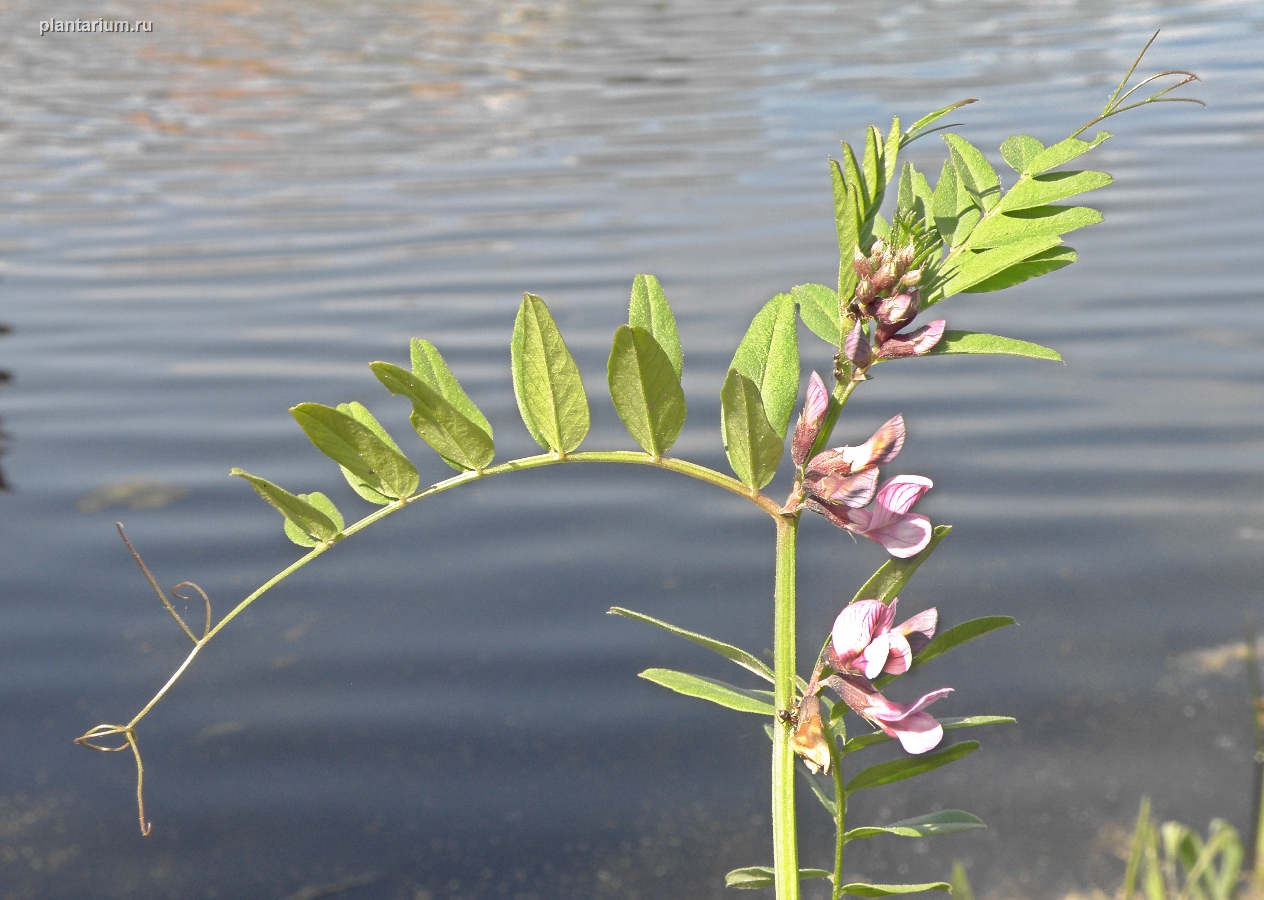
{"x":174,"y":592}
{"x":129,"y":737}
{"x":1115,"y":104}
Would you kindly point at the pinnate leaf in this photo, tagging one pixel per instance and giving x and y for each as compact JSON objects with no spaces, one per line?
{"x":769,"y":356}
{"x":975,"y":267}
{"x":318,"y":501}
{"x":1042,"y":190}
{"x":950,"y":639}
{"x":718,"y":692}
{"x":649,"y":310}
{"x":974,"y":171}
{"x":861,"y":889}
{"x":358,"y":412}
{"x":1019,"y":149}
{"x":309,"y":520}
{"x":819,"y":310}
{"x":998,"y":230}
{"x":908,"y":767}
{"x":546,"y":380}
{"x":1062,"y":152}
{"x":976,"y":342}
{"x":756,"y":877}
{"x":862,"y":741}
{"x":921,"y":126}
{"x":358,"y":449}
{"x":728,"y":651}
{"x":1033,"y":266}
{"x":947,"y":821}
{"x":429,"y":367}
{"x":886,"y":583}
{"x":753,"y":447}
{"x":645,"y":389}
{"x":462,"y":444}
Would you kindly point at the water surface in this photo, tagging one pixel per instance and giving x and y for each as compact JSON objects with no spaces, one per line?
{"x":205,"y":225}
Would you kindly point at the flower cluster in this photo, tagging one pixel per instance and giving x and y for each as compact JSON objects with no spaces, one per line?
{"x":863,"y":645}
{"x":841,"y":483}
{"x":886,"y":296}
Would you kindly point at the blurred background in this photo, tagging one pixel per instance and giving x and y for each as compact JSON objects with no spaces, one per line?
{"x":204,"y":225}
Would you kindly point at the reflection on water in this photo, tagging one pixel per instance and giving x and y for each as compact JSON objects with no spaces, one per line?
{"x":203,"y":226}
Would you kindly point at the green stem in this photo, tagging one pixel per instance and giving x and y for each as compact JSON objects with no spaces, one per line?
{"x":785,"y":850}
{"x":840,"y":799}
{"x":693,"y":470}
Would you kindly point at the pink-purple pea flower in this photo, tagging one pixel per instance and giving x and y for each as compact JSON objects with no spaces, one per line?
{"x":863,"y":644}
{"x":840,"y":483}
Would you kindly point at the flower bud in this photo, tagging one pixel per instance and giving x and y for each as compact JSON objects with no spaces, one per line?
{"x":860,"y":263}
{"x":911,"y":278}
{"x":864,"y":292}
{"x":898,"y":309}
{"x":857,"y":348}
{"x":885,"y":278}
{"x":810,"y":420}
{"x":905,"y":257}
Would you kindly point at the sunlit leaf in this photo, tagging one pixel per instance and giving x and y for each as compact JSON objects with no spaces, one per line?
{"x":855,"y":177}
{"x":819,"y":310}
{"x":752,"y":446}
{"x":769,"y":356}
{"x":974,"y":171}
{"x":428,"y":365}
{"x":891,"y":151}
{"x":718,"y":692}
{"x":908,"y":767}
{"x":974,"y":342}
{"x":998,"y":230}
{"x":461,"y":443}
{"x":874,"y":167}
{"x":950,"y":639}
{"x":947,"y":821}
{"x":862,"y":741}
{"x":645,"y":389}
{"x":1033,"y":266}
{"x":975,"y":267}
{"x":358,"y":449}
{"x":1019,"y":149}
{"x":755,"y":877}
{"x":919,"y":128}
{"x":318,"y":501}
{"x":728,"y":651}
{"x":861,"y":889}
{"x":649,"y":310}
{"x":886,"y":583}
{"x":1051,"y":188}
{"x":546,"y":380}
{"x":358,"y":412}
{"x":309,"y":520}
{"x":1062,"y":152}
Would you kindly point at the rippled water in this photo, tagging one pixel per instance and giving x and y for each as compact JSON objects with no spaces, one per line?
{"x":205,"y":225}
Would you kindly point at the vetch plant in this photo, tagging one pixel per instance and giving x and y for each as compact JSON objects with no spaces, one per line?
{"x":964,"y":235}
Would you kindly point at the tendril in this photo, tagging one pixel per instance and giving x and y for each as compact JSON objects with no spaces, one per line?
{"x":130,"y":742}
{"x":163,"y":597}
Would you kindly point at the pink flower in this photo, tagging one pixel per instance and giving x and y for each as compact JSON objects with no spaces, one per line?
{"x":815,"y":406}
{"x":864,"y":642}
{"x":889,"y":522}
{"x":914,"y":343}
{"x":917,"y":731}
